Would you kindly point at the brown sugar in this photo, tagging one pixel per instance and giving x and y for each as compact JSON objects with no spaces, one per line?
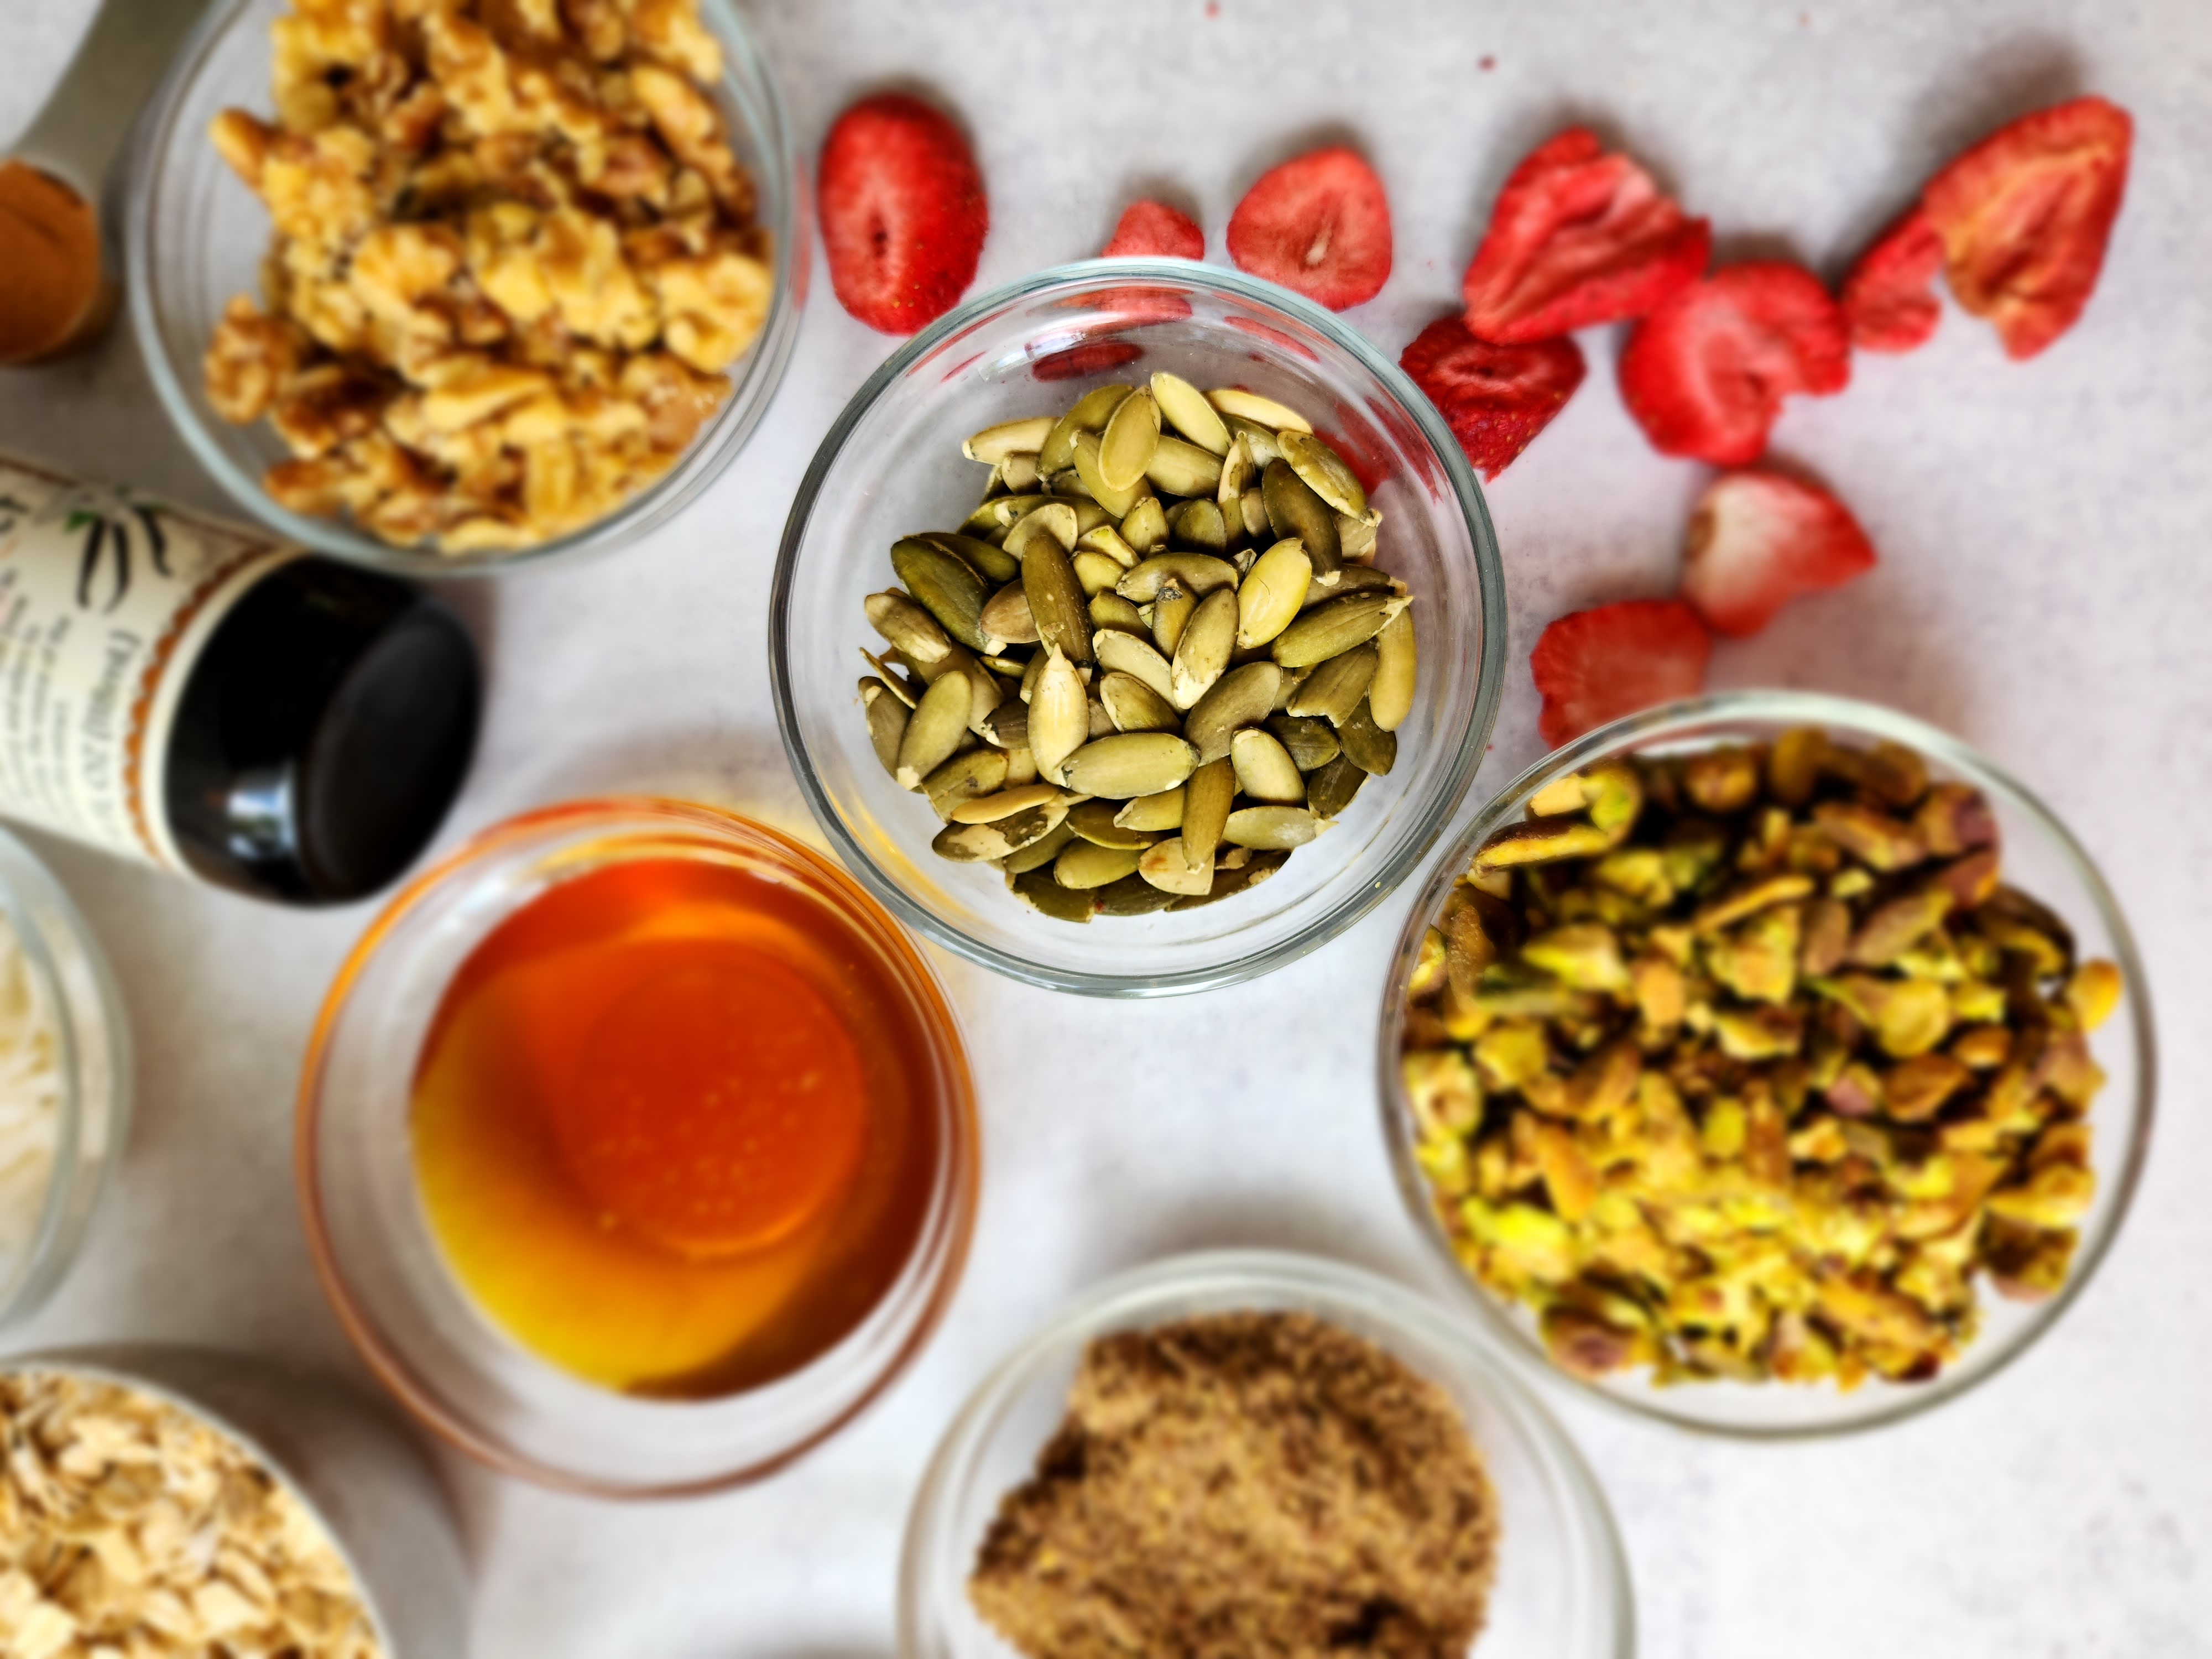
{"x":1241,"y":1485}
{"x":51,"y":295}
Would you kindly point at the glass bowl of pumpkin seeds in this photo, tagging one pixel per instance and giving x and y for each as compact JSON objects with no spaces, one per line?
{"x":1137,"y":628}
{"x":1770,"y":1063}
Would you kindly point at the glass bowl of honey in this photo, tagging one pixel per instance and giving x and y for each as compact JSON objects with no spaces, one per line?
{"x":637,"y":1146}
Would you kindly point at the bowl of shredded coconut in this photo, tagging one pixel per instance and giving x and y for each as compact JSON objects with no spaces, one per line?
{"x":64,"y":1079}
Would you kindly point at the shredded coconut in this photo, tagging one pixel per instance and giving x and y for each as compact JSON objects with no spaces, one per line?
{"x":30,"y":1101}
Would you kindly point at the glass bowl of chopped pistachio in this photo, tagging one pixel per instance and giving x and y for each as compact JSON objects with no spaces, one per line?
{"x":1285,"y":1452}
{"x":1770,"y":1063}
{"x":445,"y":294}
{"x":1137,"y":628}
{"x":65,"y":1080}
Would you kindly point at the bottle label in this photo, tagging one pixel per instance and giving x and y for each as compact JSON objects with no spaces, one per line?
{"x":106,"y":600}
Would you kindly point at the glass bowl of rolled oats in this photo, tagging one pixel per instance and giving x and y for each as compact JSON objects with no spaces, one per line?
{"x":163,"y":1500}
{"x":1772,"y":1064}
{"x":1224,"y":594}
{"x":65,"y":1080}
{"x":443,"y":289}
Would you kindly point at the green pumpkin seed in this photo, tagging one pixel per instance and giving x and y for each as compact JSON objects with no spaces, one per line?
{"x":1095,"y":573}
{"x":1312,"y":743}
{"x":1335,"y":688}
{"x":1198,"y":574}
{"x":990,"y":806}
{"x":1228,"y":883}
{"x":1333,"y":628}
{"x":1042,"y":893}
{"x":1269,"y":599}
{"x":1244,"y":696}
{"x":1261,"y":411}
{"x":994,"y":443}
{"x":1084,"y":864}
{"x":1134,"y":706}
{"x":1295,"y":510}
{"x":919,"y":636}
{"x":1206,"y":799}
{"x":1253,"y":508}
{"x":1129,"y":763}
{"x":1171,"y":866}
{"x":1202,"y":653}
{"x":1366,"y":744}
{"x":1059,"y":715}
{"x":945,"y":586}
{"x":1184,"y":408}
{"x":1391,"y":697}
{"x":886,"y":721}
{"x":897,"y":683}
{"x":1056,"y":598}
{"x":1042,"y":851}
{"x":994,"y":564}
{"x":1090,"y":413}
{"x":1358,"y":537}
{"x":1259,"y":442}
{"x":1106,"y":540}
{"x":1131,"y":895}
{"x":966,"y":777}
{"x":1270,"y":828}
{"x":1238,"y":475}
{"x":1354,"y":579}
{"x":1199,"y":524}
{"x":1126,"y":654}
{"x":1000,"y":513}
{"x":1171,"y":615}
{"x":1265,"y":771}
{"x":1183,"y":469}
{"x":1098,"y":822}
{"x":934,"y":730}
{"x":1008,"y":620}
{"x":1126,"y":446}
{"x":1154,"y":814}
{"x":1018,"y":472}
{"x":1115,"y":501}
{"x":1324,"y":471}
{"x":1007,"y":725}
{"x":1146,"y":526}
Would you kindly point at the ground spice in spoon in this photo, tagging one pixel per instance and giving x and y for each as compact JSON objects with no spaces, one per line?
{"x":1249,"y":1484}
{"x":51,"y":297}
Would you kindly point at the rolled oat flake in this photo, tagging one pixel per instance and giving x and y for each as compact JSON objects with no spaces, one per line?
{"x":197,"y":697}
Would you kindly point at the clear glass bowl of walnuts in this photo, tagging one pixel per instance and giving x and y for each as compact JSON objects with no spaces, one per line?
{"x":445,"y":294}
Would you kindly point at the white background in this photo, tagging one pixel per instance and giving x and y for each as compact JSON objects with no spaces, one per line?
{"x":2045,"y":590}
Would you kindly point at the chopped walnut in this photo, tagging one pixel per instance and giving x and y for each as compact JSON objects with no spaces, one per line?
{"x":513,"y":252}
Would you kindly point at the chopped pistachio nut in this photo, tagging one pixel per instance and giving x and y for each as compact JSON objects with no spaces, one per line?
{"x":1745,"y":1064}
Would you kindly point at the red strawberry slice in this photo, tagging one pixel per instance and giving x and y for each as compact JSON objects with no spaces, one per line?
{"x":2025,"y":215}
{"x":1093,"y":357}
{"x":903,"y":212}
{"x":1578,"y":237}
{"x":1155,"y":229}
{"x":1319,"y":225}
{"x":1705,"y":373}
{"x":1494,"y":397}
{"x":1890,"y":296}
{"x":1758,"y":540}
{"x":1596,"y":665}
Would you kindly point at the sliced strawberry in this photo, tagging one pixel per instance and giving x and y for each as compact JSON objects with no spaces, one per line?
{"x":903,"y":212}
{"x":2025,"y":215}
{"x":1578,"y":237}
{"x":1705,"y":373}
{"x":1269,"y":333}
{"x":1092,"y":357}
{"x":1890,"y":296}
{"x":1157,"y":229}
{"x":1758,"y":540}
{"x":1596,"y":665}
{"x":1494,"y":397}
{"x":1319,"y":225}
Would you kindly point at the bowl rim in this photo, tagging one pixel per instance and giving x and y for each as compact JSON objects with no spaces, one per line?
{"x":758,"y":377}
{"x":1428,"y":824}
{"x":113,"y":1362}
{"x":1136,"y":1295}
{"x":962,"y":1177}
{"x":1782,"y":707}
{"x":34,"y":901}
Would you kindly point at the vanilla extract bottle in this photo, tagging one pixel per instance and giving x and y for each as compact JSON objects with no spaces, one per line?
{"x":193,"y":696}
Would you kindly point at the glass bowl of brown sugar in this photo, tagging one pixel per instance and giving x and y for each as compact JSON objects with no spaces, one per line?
{"x":1559,"y":1587}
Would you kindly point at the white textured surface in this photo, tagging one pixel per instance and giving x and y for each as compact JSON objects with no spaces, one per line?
{"x":2045,"y":591}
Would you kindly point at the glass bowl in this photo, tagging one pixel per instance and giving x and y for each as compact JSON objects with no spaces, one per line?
{"x":195,"y":236}
{"x":383,"y":1268}
{"x":69,"y":974}
{"x":891,"y":464}
{"x":1562,"y":1590}
{"x":2041,"y":858}
{"x":355,"y":1470}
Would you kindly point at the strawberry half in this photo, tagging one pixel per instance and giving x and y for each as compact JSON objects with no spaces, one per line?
{"x":1596,"y":665}
{"x":903,"y":212}
{"x":1578,"y":237}
{"x":1494,"y":397}
{"x":2025,"y":215}
{"x":1890,"y":298}
{"x":1157,"y":229}
{"x":1319,"y":225}
{"x":1759,"y":539}
{"x":1705,"y":373}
